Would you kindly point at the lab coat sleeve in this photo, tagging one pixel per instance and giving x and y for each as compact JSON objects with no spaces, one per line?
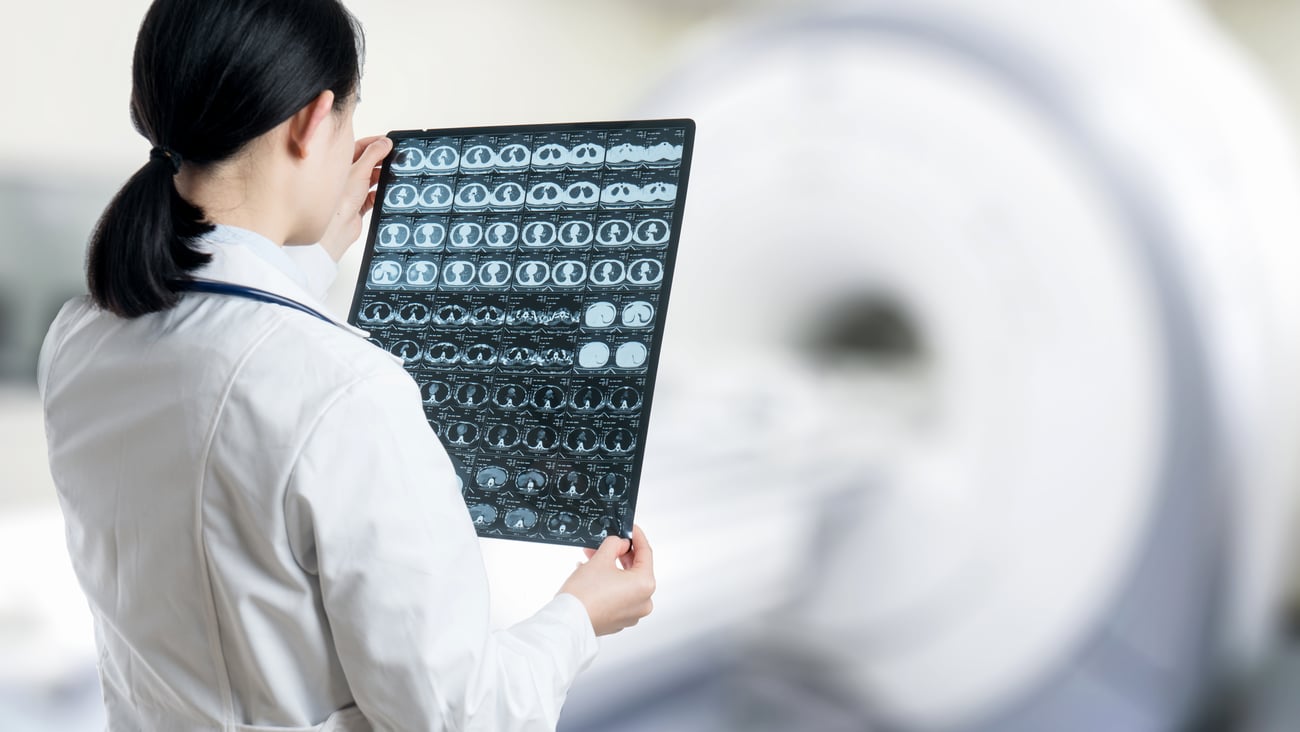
{"x":317,"y":265}
{"x":375,"y":513}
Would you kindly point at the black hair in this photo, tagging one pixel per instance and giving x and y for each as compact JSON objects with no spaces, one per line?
{"x":208,"y":77}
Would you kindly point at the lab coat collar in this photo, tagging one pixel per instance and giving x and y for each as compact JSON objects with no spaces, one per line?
{"x":246,"y":258}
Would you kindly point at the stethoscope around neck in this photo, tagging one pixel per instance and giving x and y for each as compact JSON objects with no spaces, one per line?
{"x":213,"y":287}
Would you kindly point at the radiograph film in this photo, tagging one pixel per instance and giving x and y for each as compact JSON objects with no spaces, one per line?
{"x":521,"y":274}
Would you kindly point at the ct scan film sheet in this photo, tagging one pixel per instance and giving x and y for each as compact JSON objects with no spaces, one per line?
{"x":521,"y":274}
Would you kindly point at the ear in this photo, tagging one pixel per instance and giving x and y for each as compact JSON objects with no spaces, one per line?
{"x":305,"y":126}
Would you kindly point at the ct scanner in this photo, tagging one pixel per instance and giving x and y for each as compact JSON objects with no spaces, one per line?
{"x":978,"y":405}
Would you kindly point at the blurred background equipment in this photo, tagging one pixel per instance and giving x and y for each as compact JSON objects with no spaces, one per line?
{"x":978,"y":408}
{"x":1070,"y":232}
{"x":37,"y":275}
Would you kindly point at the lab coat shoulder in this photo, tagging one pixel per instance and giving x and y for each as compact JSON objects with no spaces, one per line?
{"x":299,"y":365}
{"x":74,"y":313}
{"x":395,"y":550}
{"x":374,"y":509}
{"x":304,"y":389}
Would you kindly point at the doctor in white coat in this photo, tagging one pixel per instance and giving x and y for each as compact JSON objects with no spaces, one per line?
{"x":269,"y":535}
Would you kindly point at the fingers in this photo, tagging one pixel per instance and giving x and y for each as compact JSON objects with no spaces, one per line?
{"x":642,"y":554}
{"x":365,"y":172}
{"x":589,"y":552}
{"x":371,"y":155}
{"x":362,"y":144}
{"x":610,"y":550}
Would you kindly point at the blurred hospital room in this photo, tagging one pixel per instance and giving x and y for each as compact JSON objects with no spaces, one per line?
{"x":979,"y":402}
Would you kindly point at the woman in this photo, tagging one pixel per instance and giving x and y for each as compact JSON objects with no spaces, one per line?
{"x":267,"y":531}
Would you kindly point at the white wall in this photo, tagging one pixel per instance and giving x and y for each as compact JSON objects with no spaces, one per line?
{"x":429,"y":64}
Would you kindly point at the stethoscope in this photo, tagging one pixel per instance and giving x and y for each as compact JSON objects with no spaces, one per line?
{"x":213,"y":287}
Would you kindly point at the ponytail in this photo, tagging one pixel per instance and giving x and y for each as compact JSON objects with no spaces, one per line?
{"x":144,"y":244}
{"x":209,"y":76}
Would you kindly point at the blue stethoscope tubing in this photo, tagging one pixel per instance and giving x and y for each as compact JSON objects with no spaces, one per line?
{"x":213,"y":287}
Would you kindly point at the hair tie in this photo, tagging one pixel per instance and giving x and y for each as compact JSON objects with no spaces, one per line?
{"x":168,"y":154}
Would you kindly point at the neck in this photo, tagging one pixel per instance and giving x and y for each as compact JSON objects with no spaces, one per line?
{"x":245,"y":191}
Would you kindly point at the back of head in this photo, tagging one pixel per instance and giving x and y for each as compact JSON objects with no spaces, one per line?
{"x":209,"y":76}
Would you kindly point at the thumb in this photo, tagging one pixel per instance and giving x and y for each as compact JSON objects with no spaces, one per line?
{"x":364,"y":143}
{"x":642,"y":554}
{"x":372,"y":154}
{"x":610,"y":549}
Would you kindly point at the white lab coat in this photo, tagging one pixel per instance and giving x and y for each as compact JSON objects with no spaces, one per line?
{"x":269,"y":534}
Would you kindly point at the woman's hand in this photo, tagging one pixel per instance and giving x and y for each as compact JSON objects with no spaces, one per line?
{"x":358,"y":195}
{"x":615,"y":598}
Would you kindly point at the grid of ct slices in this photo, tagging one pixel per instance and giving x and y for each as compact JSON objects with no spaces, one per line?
{"x":519,"y":278}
